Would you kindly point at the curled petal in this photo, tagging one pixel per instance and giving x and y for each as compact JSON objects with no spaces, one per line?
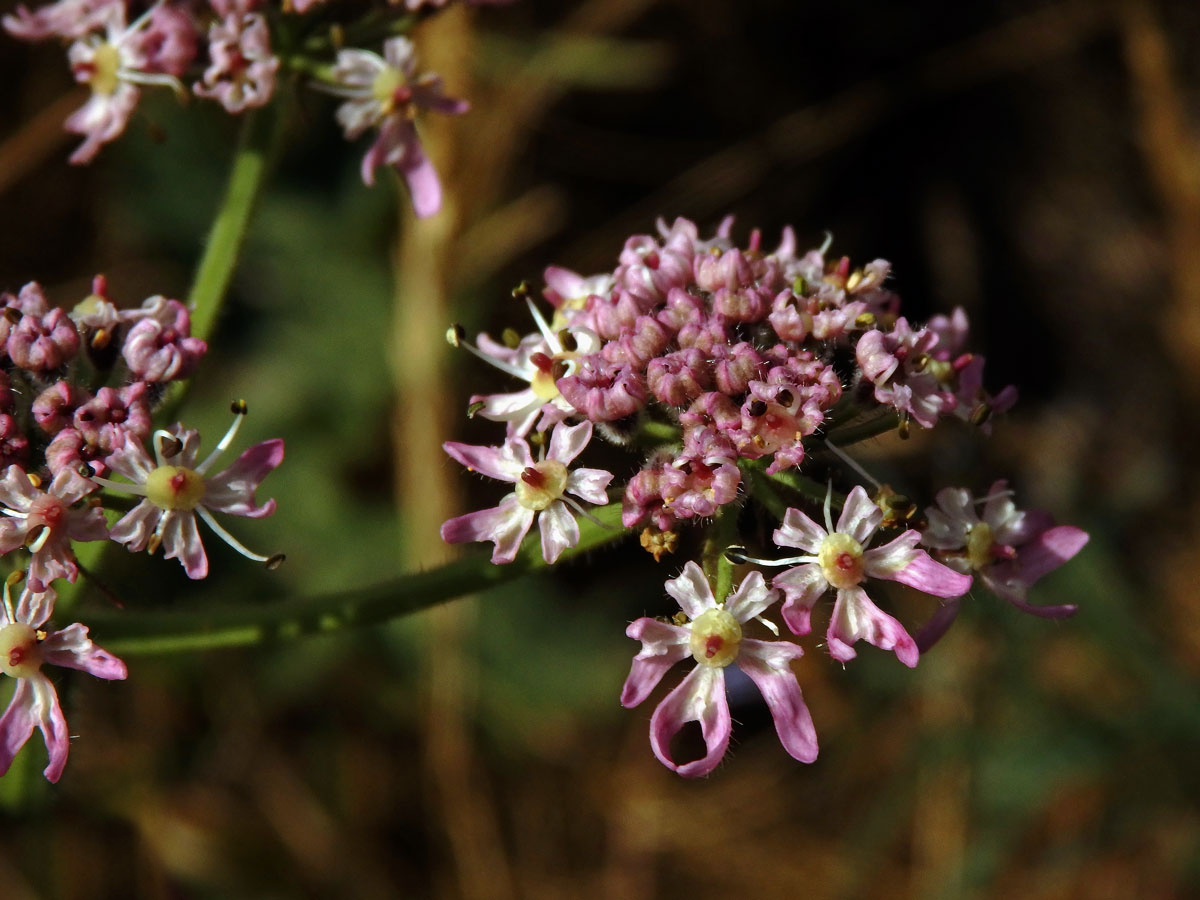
{"x":751,"y":598}
{"x":698,"y":698}
{"x":802,"y":587}
{"x":135,"y":527}
{"x":856,"y":618}
{"x":568,"y":441}
{"x":505,"y":525}
{"x":928,"y":575}
{"x":590,"y":484}
{"x":181,"y":541}
{"x":691,"y":590}
{"x":232,"y":491}
{"x":73,"y":649}
{"x":799,"y":531}
{"x":504,"y":463}
{"x":860,"y":516}
{"x":766,"y":662}
{"x":663,"y":645}
{"x":559,"y":530}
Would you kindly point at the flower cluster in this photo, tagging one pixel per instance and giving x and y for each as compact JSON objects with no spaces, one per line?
{"x":78,"y":392}
{"x":729,"y":372}
{"x":225,"y":51}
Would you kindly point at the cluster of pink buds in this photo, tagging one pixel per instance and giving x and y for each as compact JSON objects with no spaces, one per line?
{"x":235,"y":52}
{"x":78,"y":393}
{"x":730,"y":373}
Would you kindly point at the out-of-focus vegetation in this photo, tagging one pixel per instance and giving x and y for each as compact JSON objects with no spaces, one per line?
{"x":1034,"y":162}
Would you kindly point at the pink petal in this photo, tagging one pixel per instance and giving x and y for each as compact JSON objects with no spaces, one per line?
{"x":17,"y":723}
{"x":505,"y":525}
{"x":505,"y":463}
{"x":590,"y":484}
{"x":691,"y":591}
{"x":232,"y":491}
{"x":698,"y":698}
{"x":72,"y":649}
{"x":798,"y":530}
{"x":766,"y":662}
{"x":53,"y":725}
{"x":931,"y":577}
{"x":135,"y":527}
{"x":663,"y":645}
{"x":751,"y":598}
{"x":181,"y":541}
{"x":421,"y":178}
{"x":559,"y":530}
{"x":35,"y":607}
{"x":860,"y":516}
{"x":856,"y":618}
{"x":568,"y":441}
{"x":803,"y":587}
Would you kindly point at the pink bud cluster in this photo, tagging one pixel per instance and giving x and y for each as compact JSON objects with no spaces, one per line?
{"x":78,"y":391}
{"x":722,"y":368}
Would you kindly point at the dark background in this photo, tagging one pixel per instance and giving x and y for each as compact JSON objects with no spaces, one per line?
{"x":1036,"y":163}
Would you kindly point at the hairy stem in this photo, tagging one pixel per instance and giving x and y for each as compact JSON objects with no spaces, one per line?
{"x":212,"y":628}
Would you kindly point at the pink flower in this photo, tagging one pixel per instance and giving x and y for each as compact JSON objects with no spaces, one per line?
{"x":46,"y":522}
{"x":177,"y":490}
{"x":69,"y":19}
{"x":839,"y":559}
{"x":114,"y":65}
{"x":25,"y":646}
{"x":713,"y":637}
{"x":1010,"y":549}
{"x":384,"y":92}
{"x":541,"y":489}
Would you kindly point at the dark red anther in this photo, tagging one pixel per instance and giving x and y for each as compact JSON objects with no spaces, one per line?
{"x":713,"y":645}
{"x":652,"y":260}
{"x":962,"y":362}
{"x":533,"y":478}
{"x":543,"y":362}
{"x":843,"y":267}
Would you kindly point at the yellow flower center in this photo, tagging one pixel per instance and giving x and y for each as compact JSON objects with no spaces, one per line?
{"x":716,"y":637}
{"x":106,"y":64}
{"x":19,"y":653}
{"x":541,"y":484}
{"x":174,"y":487}
{"x":979,"y":545}
{"x":840,"y":557}
{"x":385,"y":87}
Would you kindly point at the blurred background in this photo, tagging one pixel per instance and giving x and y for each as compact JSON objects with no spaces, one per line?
{"x":1036,"y":163}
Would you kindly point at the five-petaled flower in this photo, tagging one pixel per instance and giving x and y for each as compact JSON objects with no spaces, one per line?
{"x":541,"y":489}
{"x":713,"y":637}
{"x":177,"y":489}
{"x":839,"y":559}
{"x":26,"y":646}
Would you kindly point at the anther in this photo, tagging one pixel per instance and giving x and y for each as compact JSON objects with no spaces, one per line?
{"x":274,"y":562}
{"x":902,"y":427}
{"x":558,"y":369}
{"x":799,"y":286}
{"x":568,"y":341}
{"x":522,"y":290}
{"x":543,"y":362}
{"x":12,"y":314}
{"x":981,"y":413}
{"x":854,"y":280}
{"x":533,"y":478}
{"x":171,"y":447}
{"x":757,"y":408}
{"x":15,"y":578}
{"x":239,"y":408}
{"x":511,"y":338}
{"x":101,"y":339}
{"x":736,"y":555}
{"x":455,"y":335}
{"x":866,"y":320}
{"x":785,"y":397}
{"x":152,"y":545}
{"x":474,"y":408}
{"x":34,"y":479}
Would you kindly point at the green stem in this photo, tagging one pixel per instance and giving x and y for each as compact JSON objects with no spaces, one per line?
{"x":845,"y":435}
{"x":720,"y":536}
{"x":260,"y":133}
{"x":211,"y":628}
